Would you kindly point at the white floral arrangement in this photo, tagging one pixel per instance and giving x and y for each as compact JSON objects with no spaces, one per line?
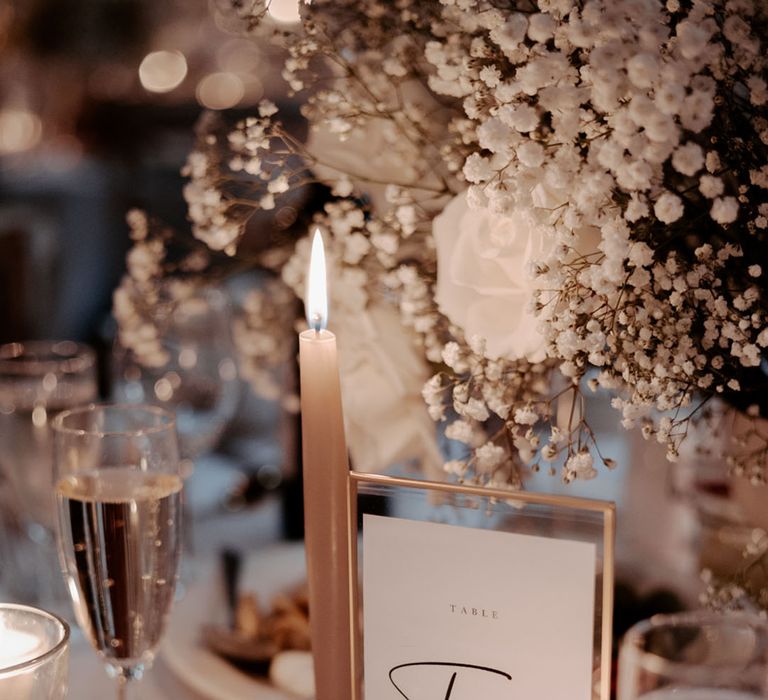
{"x":528,"y":200}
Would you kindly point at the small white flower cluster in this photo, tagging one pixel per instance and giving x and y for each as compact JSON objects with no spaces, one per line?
{"x":207,"y":206}
{"x":504,"y":410}
{"x":153,"y":285}
{"x":138,"y":294}
{"x":218,"y":211}
{"x":678,"y":334}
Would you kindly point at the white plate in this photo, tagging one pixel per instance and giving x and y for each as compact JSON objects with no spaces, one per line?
{"x":266,"y":573}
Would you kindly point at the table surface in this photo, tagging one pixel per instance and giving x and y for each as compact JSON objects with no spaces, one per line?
{"x":89,"y":681}
{"x":252,"y":530}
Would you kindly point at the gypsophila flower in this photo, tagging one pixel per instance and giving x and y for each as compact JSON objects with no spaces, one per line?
{"x":526,"y":416}
{"x":579,"y":466}
{"x":137,"y":222}
{"x":688,"y":159}
{"x":267,"y":108}
{"x":460,"y":430}
{"x":710,"y":186}
{"x":725,"y":210}
{"x":488,"y":457}
{"x":668,"y":208}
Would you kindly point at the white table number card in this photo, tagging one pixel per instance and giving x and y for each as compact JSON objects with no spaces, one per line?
{"x":461,"y":613}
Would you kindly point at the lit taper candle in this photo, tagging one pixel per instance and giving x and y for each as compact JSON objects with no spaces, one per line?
{"x":326,"y":492}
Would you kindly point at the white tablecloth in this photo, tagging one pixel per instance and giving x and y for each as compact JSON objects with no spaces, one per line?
{"x":89,"y":681}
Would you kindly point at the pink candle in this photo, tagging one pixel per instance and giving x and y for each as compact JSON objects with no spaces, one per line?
{"x":326,"y":480}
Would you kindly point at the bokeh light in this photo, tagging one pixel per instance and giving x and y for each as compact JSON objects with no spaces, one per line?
{"x":286,"y":11}
{"x":20,"y":130}
{"x":220,"y":90}
{"x":239,"y":56}
{"x":254,"y":89}
{"x":162,"y":71}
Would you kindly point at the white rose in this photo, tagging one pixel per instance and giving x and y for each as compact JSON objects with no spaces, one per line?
{"x":382,"y":377}
{"x":483,"y":284}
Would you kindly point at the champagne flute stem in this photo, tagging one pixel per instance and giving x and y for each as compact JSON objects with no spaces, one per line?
{"x":122,"y":688}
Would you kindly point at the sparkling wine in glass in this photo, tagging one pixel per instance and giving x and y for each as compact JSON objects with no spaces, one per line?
{"x":695,"y":656}
{"x":118,"y":495}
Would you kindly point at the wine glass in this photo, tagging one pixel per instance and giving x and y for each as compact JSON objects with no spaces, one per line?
{"x":199,"y":382}
{"x":118,"y":493}
{"x":37,"y":379}
{"x":695,"y":656}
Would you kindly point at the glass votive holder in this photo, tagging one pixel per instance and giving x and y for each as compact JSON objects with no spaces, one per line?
{"x":34,"y":654}
{"x":695,"y":656}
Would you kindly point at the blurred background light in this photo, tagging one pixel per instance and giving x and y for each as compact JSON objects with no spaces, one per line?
{"x":220,"y":90}
{"x":162,"y":71}
{"x":239,"y":56}
{"x":20,"y":130}
{"x":286,"y":11}
{"x":254,"y":89}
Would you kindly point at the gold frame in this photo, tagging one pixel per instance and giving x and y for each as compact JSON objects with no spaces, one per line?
{"x":606,"y":508}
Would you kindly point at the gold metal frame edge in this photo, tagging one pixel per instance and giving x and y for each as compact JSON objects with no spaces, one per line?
{"x":606,"y":508}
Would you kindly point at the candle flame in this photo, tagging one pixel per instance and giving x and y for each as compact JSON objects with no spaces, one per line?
{"x":316,"y":302}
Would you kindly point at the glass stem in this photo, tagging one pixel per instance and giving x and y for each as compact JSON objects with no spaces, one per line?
{"x":122,"y":687}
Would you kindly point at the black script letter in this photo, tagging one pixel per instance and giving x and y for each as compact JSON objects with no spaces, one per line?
{"x":454,"y":675}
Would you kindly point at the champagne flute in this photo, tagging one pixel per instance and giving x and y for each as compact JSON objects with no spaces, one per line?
{"x":118,"y":492}
{"x":199,"y":382}
{"x":695,"y":656}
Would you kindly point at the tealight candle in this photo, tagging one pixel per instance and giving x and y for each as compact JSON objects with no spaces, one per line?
{"x":16,"y":648}
{"x":33,"y":654}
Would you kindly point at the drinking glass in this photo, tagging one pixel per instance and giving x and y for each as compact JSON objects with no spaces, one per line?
{"x":37,"y":379}
{"x":199,"y":383}
{"x":118,"y":494}
{"x":34,"y":654}
{"x":695,"y":656}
